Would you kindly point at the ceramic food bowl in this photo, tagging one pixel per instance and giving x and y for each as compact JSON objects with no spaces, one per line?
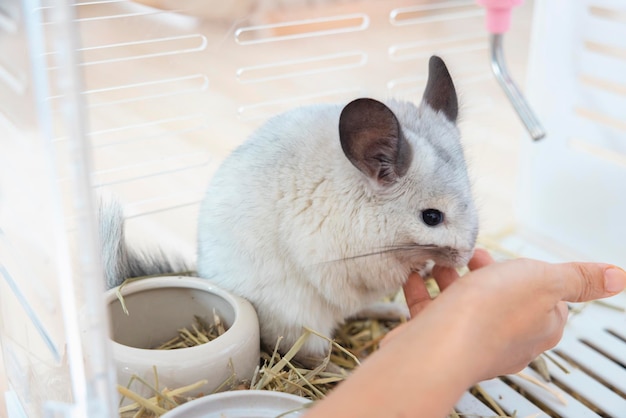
{"x":157,"y":308}
{"x":242,"y":404}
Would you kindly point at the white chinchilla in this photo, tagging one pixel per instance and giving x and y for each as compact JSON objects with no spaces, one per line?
{"x":327,"y":208}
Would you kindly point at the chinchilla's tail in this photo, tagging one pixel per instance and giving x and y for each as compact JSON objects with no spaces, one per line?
{"x":122,"y":262}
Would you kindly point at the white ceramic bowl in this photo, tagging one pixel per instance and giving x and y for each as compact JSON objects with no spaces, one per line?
{"x":242,"y":404}
{"x":158,"y":307}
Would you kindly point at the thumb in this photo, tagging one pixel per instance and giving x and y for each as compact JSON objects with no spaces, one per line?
{"x":583,"y":282}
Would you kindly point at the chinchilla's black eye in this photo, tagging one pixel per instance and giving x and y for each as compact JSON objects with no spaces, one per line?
{"x":432,"y":217}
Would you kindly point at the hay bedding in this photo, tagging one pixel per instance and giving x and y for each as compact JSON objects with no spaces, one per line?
{"x":355,"y":340}
{"x":200,"y":333}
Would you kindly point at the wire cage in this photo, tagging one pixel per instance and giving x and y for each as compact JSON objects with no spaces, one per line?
{"x":143,"y":99}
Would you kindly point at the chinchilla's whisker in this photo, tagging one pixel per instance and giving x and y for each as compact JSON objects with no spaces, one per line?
{"x":387,"y":250}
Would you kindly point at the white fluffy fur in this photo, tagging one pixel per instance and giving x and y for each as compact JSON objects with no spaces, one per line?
{"x":287,"y":213}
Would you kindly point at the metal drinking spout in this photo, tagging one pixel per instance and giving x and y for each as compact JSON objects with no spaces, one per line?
{"x":525,"y":113}
{"x":498,"y":21}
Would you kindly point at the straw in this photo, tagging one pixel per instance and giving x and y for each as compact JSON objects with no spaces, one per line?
{"x":200,"y":333}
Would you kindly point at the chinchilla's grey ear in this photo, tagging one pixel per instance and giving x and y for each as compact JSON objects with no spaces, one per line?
{"x":372,"y":140}
{"x":440,"y":93}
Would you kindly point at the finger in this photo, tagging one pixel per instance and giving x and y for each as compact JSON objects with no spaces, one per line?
{"x":572,"y":282}
{"x":480,"y":259}
{"x":581,"y":282}
{"x":444,"y":276}
{"x":415,"y":293}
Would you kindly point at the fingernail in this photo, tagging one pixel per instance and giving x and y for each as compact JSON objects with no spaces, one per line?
{"x":614,"y":280}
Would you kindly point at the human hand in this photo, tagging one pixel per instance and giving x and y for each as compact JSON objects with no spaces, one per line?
{"x":508,"y":313}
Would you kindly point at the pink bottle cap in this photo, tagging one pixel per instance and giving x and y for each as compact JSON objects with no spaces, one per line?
{"x":499,"y":14}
